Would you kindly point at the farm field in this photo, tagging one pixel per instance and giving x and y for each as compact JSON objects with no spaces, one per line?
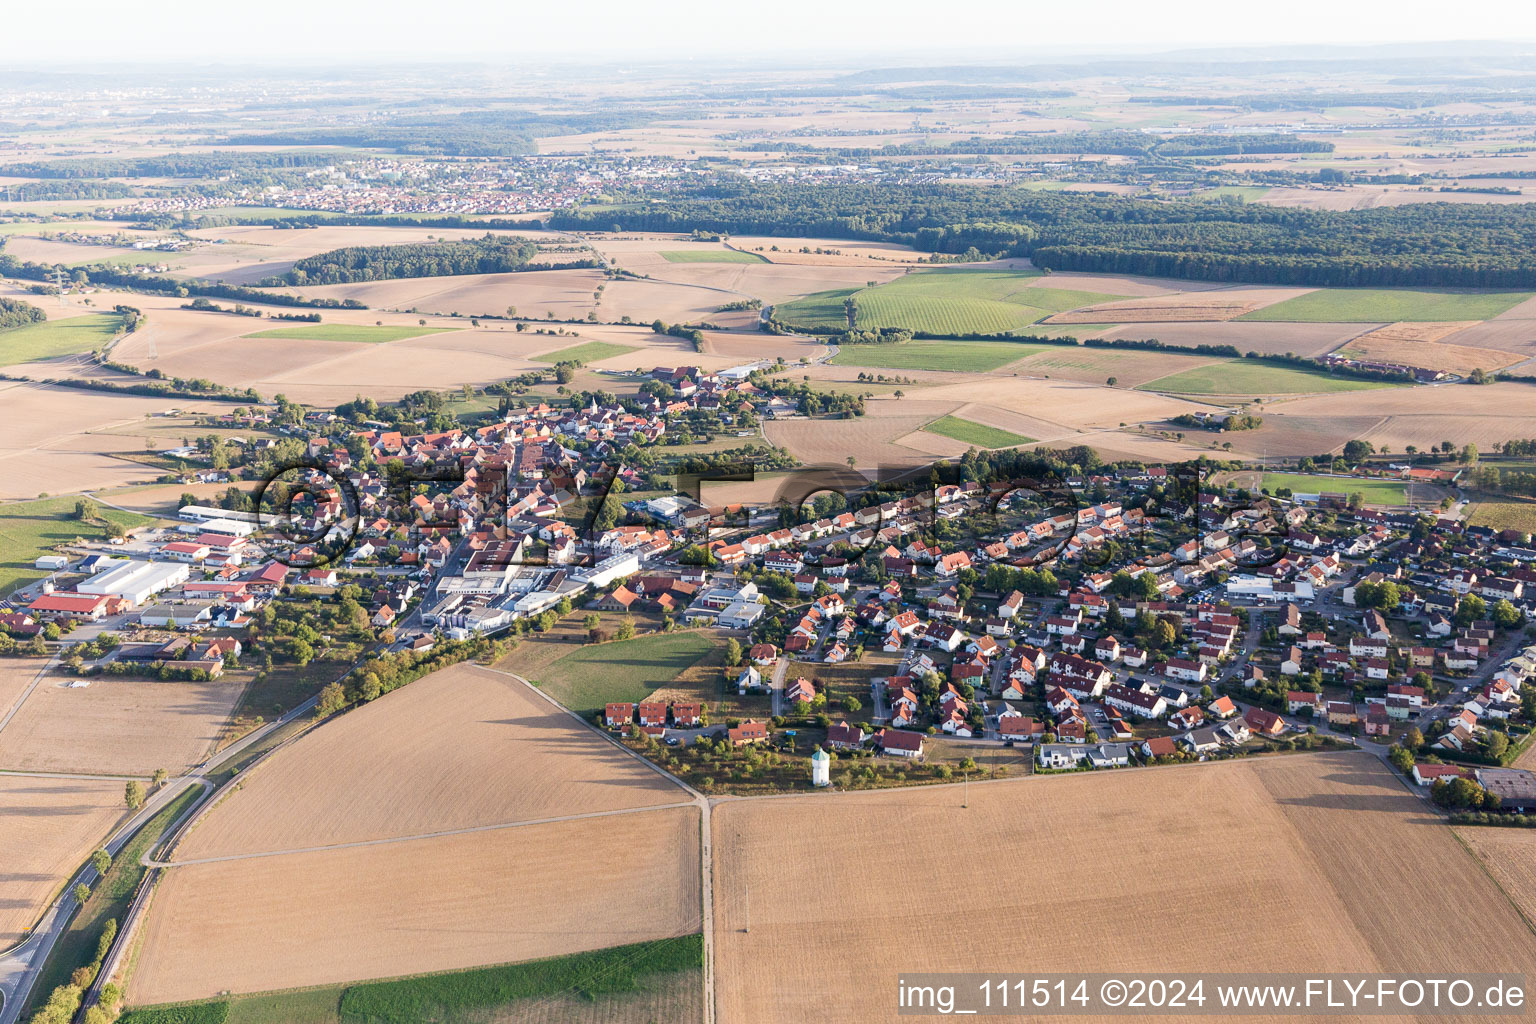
{"x":1091,"y":365}
{"x":64,"y":440}
{"x":623,"y":670}
{"x":1246,"y":377}
{"x":462,"y":748}
{"x":1503,"y":514}
{"x":1456,"y":413}
{"x":977,"y":434}
{"x":31,"y":528}
{"x":1376,"y":492}
{"x":430,"y":904}
{"x":959,"y":356}
{"x":51,"y":827}
{"x":944,"y":301}
{"x":116,"y":726}
{"x":1265,"y":338}
{"x":1210,"y":305}
{"x":371,"y":333}
{"x":587,"y":352}
{"x":1390,"y":305}
{"x":634,"y":984}
{"x":1421,"y":344}
{"x":1509,"y":854}
{"x":1338,"y":820}
{"x":58,"y":338}
{"x":710,"y":256}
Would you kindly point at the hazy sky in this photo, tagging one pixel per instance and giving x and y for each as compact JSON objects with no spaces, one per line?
{"x":308,"y":30}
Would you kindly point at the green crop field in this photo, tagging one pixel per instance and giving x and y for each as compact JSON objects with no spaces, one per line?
{"x":1247,"y":377}
{"x":818,"y":310}
{"x":58,"y":338}
{"x":638,"y":971}
{"x":978,"y":434}
{"x":1247,"y":193}
{"x":951,"y":300}
{"x":960,"y":356}
{"x":1504,"y":514}
{"x":1375,"y":492}
{"x":710,"y":256}
{"x":587,"y":352}
{"x":350,"y":332}
{"x":1387,"y":305}
{"x":32,"y":528}
{"x":624,"y":670}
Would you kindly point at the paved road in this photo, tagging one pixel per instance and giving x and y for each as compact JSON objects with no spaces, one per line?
{"x":20,"y":965}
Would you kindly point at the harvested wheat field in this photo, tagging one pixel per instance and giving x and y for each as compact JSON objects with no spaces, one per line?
{"x":464,"y":747}
{"x":1129,"y":367}
{"x":1216,"y":304}
{"x":15,"y":676}
{"x":565,"y":293}
{"x":51,"y":826}
{"x":413,"y":906}
{"x":53,"y":438}
{"x":1265,"y":337}
{"x":1298,"y":863}
{"x":1509,"y":854}
{"x":1298,"y":435}
{"x":1077,"y":405}
{"x":1506,"y":333}
{"x":871,"y":439}
{"x":1457,"y":413}
{"x":116,"y":726}
{"x":1420,"y":344}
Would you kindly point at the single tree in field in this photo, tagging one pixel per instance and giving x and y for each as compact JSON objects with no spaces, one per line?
{"x":158,"y":778}
{"x":133,"y":794}
{"x":1112,"y":381}
{"x":732,"y":652}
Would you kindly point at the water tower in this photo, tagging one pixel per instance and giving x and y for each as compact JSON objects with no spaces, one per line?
{"x":821,"y":768}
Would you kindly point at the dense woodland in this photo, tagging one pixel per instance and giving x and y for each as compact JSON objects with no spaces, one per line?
{"x":475,"y":133}
{"x":1418,"y":244}
{"x":15,"y":313}
{"x":491,"y":254}
{"x":1114,"y":143}
{"x":167,"y":165}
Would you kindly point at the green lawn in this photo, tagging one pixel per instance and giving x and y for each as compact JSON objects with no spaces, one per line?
{"x":1376,"y":492}
{"x":710,"y":256}
{"x":1504,"y":514}
{"x":1388,"y":305}
{"x":950,"y":300}
{"x":621,"y":978}
{"x":624,"y":670}
{"x":350,"y":332}
{"x":1247,"y":377}
{"x":31,"y":528}
{"x":587,"y":352}
{"x":58,"y":338}
{"x":978,"y":434}
{"x":960,"y":356}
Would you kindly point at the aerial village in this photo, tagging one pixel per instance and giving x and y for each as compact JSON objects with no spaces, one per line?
{"x":949,"y":629}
